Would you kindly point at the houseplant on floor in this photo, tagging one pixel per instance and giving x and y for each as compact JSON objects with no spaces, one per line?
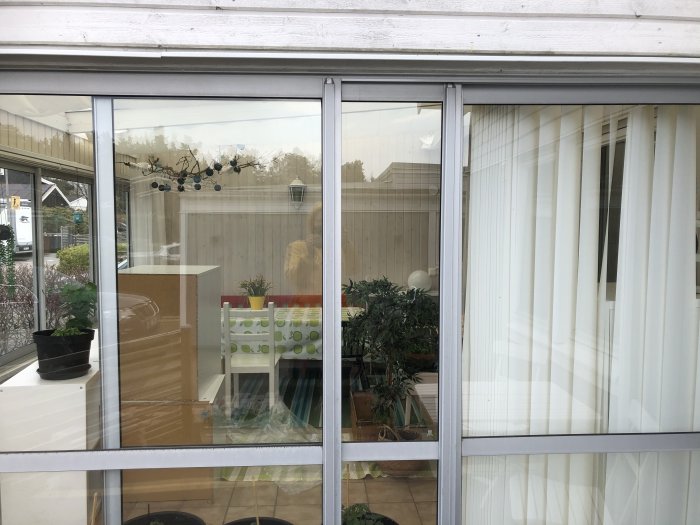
{"x":392,"y":324}
{"x":359,"y":514}
{"x":64,"y":351}
{"x":256,"y":289}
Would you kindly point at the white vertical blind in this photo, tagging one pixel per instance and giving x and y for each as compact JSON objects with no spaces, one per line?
{"x":538,"y":357}
{"x":655,"y":339}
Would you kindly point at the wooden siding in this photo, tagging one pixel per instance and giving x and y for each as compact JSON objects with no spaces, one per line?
{"x":390,"y":233}
{"x":604,"y":27}
{"x":376,"y":244}
{"x":43,"y":144}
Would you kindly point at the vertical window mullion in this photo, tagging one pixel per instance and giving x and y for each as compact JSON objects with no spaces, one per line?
{"x":331,"y":111}
{"x":450,"y":384}
{"x":107,"y":286}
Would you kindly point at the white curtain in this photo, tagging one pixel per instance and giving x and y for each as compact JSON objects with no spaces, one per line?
{"x":653,"y":373}
{"x":538,"y":358}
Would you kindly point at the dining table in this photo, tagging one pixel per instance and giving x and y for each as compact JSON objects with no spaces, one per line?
{"x":298,"y":331}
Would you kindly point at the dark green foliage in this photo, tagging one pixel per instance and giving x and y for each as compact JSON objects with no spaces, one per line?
{"x":63,"y":332}
{"x":7,"y":256}
{"x":79,"y":303}
{"x":359,"y":514}
{"x":55,"y":217}
{"x":393,"y":324}
{"x":256,"y":287}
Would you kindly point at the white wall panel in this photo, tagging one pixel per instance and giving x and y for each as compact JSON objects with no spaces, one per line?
{"x":606,"y":28}
{"x":618,"y":8}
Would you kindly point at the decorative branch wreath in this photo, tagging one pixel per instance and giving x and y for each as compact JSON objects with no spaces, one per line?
{"x":188,"y":172}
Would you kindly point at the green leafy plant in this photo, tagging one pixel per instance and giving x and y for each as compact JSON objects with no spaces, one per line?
{"x":392,"y":325}
{"x":79,"y":302}
{"x":359,"y":514}
{"x":256,"y":287}
{"x":7,"y":255}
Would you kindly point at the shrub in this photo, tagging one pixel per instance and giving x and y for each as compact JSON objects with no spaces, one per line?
{"x":74,"y":259}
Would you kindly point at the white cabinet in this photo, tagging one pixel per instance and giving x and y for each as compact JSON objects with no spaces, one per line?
{"x":170,"y":375}
{"x":41,"y":415}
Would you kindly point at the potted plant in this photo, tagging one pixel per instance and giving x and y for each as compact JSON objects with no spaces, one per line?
{"x":256,"y":289}
{"x":392,"y":325}
{"x":359,"y":514}
{"x":64,"y":351}
{"x":166,"y":518}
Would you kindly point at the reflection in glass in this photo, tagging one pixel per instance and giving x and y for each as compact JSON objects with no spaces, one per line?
{"x":211,"y":226}
{"x":403,"y":491}
{"x":390,"y":262}
{"x":609,"y":489}
{"x":581,"y":305}
{"x":18,"y":297}
{"x":52,"y":136}
{"x":222,"y":495}
{"x":51,"y":133}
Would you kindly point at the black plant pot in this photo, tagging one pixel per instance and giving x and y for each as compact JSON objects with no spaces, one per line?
{"x":263,"y":521}
{"x":166,"y":518}
{"x":63,"y":357}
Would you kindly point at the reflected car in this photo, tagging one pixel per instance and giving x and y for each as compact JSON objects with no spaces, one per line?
{"x":137,"y":315}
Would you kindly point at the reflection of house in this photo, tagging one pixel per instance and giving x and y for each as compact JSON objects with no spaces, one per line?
{"x":52,"y":195}
{"x":411,"y":176}
{"x":18,"y":183}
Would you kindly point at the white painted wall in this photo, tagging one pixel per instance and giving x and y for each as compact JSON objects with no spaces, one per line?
{"x":588,"y":27}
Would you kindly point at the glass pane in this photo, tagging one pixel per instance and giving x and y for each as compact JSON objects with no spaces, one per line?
{"x":226,"y":494}
{"x":610,"y":489}
{"x":219,"y":202}
{"x":54,"y":402}
{"x":581,"y":308}
{"x":18,"y":297}
{"x":50,"y":498}
{"x":391,"y":229}
{"x":402,"y":491}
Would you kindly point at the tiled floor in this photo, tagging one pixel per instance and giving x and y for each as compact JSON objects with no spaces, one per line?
{"x":408,"y":501}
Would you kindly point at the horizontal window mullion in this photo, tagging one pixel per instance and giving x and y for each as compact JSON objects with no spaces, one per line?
{"x":395,"y":451}
{"x":157,"y":458}
{"x":580,"y":444}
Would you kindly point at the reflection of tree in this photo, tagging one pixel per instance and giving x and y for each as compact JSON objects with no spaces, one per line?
{"x":55,"y":217}
{"x":285,"y":168}
{"x":352,"y":171}
{"x":281,"y":169}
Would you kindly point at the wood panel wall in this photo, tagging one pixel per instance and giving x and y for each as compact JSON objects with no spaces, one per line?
{"x":375,"y":244}
{"x":21,"y":134}
{"x":603,"y":27}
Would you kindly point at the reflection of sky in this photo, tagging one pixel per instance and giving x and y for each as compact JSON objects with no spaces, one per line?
{"x":379,"y":133}
{"x":215,"y":127}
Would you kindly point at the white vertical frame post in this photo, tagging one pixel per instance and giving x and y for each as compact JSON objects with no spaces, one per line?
{"x":331,"y":120}
{"x":450,"y":383}
{"x":107,"y":282}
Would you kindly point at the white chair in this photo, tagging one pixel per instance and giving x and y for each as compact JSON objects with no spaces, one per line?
{"x":249,"y":363}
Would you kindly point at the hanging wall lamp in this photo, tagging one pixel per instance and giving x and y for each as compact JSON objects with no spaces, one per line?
{"x":296,"y":192}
